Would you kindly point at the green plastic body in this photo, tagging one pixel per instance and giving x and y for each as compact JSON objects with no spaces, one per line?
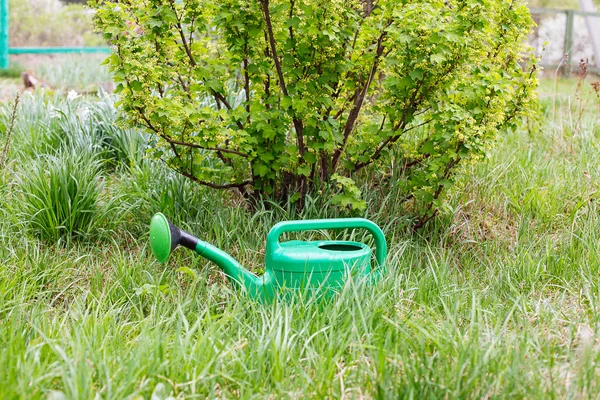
{"x":312,"y":267}
{"x":319,"y":267}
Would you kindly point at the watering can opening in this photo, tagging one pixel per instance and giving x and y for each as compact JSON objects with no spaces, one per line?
{"x":340,"y":247}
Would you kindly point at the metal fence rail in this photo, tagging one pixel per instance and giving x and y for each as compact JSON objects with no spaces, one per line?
{"x":6,"y":50}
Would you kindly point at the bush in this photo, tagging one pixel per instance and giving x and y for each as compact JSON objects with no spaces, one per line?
{"x":276,"y":97}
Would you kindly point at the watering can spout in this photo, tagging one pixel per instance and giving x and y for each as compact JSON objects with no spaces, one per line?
{"x":165,"y":237}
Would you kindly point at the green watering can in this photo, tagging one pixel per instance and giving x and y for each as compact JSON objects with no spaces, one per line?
{"x":294,"y":265}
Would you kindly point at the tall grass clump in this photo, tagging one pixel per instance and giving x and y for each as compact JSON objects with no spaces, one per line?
{"x":61,"y":194}
{"x":148,"y":187}
{"x":64,"y":144}
{"x":124,"y":146}
{"x":49,"y":124}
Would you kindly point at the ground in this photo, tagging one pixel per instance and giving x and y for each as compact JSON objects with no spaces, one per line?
{"x":499,"y":298}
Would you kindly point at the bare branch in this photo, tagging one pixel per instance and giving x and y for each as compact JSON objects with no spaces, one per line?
{"x":197,"y":146}
{"x":219,"y":97}
{"x":9,"y":131}
{"x":213,"y":185}
{"x":271,"y":37}
{"x":247,"y":80}
{"x":298,"y":125}
{"x":359,"y":100}
{"x":389,"y":141}
{"x":184,"y":41}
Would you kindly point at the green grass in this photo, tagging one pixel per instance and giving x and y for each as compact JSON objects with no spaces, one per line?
{"x":501,"y":299}
{"x":12,"y":72}
{"x":63,"y":72}
{"x":79,"y":72}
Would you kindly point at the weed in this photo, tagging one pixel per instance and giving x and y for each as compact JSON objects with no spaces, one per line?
{"x":8,"y":134}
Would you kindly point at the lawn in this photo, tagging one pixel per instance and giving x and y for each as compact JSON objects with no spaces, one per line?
{"x":498,"y":299}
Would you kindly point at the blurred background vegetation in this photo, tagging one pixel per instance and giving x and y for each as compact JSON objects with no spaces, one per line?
{"x":68,"y":22}
{"x":572,"y":4}
{"x":51,"y":23}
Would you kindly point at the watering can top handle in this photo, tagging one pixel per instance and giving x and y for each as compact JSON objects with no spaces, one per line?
{"x":340,"y":223}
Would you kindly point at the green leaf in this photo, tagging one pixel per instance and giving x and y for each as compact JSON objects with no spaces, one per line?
{"x":260,"y":169}
{"x":113,"y":29}
{"x":304,"y":169}
{"x":437,"y":58}
{"x":286,"y":102}
{"x":295,"y":197}
{"x":155,"y":23}
{"x":136,"y":85}
{"x":428,"y":147}
{"x":417,"y":74}
{"x":293,"y":22}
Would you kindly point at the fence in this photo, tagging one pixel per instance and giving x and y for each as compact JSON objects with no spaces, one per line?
{"x":567,"y":37}
{"x":6,"y":50}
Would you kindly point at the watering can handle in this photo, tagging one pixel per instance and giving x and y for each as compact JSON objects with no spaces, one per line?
{"x":340,"y":223}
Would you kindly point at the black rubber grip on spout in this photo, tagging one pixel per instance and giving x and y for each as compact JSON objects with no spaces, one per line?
{"x":181,"y":237}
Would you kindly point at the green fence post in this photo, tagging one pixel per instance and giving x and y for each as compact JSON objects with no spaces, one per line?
{"x":568,"y":41}
{"x":3,"y":34}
